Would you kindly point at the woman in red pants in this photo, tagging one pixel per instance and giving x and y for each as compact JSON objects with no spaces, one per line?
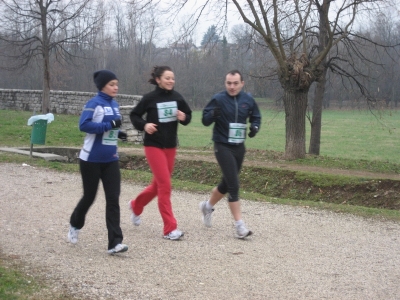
{"x":164,"y":109}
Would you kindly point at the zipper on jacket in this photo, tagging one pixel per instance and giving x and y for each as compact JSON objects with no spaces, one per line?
{"x":236,"y":112}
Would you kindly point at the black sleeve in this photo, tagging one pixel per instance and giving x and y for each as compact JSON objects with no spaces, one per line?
{"x":136,"y":115}
{"x":183,"y":106}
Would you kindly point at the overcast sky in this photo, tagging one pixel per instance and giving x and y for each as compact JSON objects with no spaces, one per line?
{"x":213,"y":15}
{"x":207,"y":19}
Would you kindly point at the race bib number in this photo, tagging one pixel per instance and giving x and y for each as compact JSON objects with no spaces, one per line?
{"x":110,"y":137}
{"x":167,"y":111}
{"x":237,"y":133}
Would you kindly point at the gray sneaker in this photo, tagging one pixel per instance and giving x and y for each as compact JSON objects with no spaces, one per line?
{"x":134,"y":218}
{"x":207,"y":213}
{"x":118,"y":249}
{"x":73,"y":235}
{"x":174,"y":235}
{"x":242,"y":232}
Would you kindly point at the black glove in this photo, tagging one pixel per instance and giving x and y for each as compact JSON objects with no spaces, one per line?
{"x":123,"y":136}
{"x":116,"y":123}
{"x":216,"y":112}
{"x":253,"y":131}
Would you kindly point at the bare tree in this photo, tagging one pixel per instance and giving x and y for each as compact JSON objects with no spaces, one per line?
{"x":285,"y":27}
{"x":251,"y":55}
{"x":37,"y":29}
{"x":386,"y":32}
{"x":349,"y":60}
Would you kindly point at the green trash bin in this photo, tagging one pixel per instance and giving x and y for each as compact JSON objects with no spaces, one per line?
{"x":38,"y":135}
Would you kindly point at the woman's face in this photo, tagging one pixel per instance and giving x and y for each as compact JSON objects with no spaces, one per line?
{"x":111,"y":88}
{"x":166,"y":81}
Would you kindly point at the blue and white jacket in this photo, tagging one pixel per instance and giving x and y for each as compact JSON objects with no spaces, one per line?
{"x":100,"y":143}
{"x":232,"y":120}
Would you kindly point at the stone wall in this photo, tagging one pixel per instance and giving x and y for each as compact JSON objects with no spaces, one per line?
{"x":70,"y":103}
{"x":134,"y":135}
{"x":61,"y":102}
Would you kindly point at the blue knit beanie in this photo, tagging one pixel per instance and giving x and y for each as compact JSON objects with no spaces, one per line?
{"x":102,"y":77}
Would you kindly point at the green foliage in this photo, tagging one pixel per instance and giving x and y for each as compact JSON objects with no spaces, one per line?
{"x":17,"y":284}
{"x":211,"y":37}
{"x":324,"y":180}
{"x":351,"y":164}
{"x":14,"y":285}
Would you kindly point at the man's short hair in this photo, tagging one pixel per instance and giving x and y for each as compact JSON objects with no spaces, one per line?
{"x":234,"y":72}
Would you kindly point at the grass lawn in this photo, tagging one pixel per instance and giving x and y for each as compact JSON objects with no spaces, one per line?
{"x":352,"y":134}
{"x":345,"y":134}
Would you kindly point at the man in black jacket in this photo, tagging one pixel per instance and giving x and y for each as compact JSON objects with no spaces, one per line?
{"x":229,"y":111}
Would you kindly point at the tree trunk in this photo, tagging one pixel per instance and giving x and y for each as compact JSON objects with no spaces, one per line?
{"x":46,"y":59}
{"x":316,"y":121}
{"x":295,"y":102}
{"x":46,"y":84}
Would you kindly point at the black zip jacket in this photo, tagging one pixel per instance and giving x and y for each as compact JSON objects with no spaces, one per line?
{"x":232,"y":110}
{"x":166,"y":134}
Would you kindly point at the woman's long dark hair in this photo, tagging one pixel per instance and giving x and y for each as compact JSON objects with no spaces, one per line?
{"x":157,"y":73}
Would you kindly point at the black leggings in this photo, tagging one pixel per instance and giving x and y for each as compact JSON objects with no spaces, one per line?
{"x":110,"y":175}
{"x":230,"y":159}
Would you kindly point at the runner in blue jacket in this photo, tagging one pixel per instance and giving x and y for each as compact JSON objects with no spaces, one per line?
{"x":98,"y":159}
{"x":229,"y":111}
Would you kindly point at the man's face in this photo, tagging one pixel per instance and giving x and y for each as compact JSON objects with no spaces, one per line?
{"x":233,"y":84}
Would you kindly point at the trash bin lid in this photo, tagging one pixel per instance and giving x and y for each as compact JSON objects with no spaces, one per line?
{"x":49,"y":117}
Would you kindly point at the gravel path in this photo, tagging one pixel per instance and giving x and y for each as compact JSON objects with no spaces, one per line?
{"x":295,"y":253}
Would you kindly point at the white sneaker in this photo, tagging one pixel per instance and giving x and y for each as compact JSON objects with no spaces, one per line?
{"x":73,"y":235}
{"x":134,"y":218}
{"x":174,"y":235}
{"x":242,"y":232}
{"x":118,"y":249}
{"x":207,"y":213}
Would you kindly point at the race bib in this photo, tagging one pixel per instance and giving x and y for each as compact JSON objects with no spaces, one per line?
{"x":108,"y":111}
{"x":167,"y":111}
{"x":237,"y":133}
{"x":110,"y":137}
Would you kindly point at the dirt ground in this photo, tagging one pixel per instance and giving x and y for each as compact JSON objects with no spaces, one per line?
{"x":294,"y":253}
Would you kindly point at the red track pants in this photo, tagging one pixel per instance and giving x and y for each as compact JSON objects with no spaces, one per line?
{"x":161,"y":162}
